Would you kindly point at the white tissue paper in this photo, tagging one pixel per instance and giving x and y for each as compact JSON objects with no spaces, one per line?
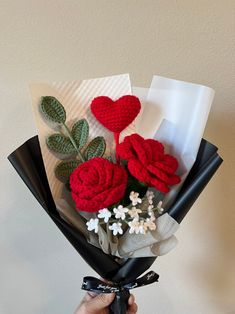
{"x":175,"y":113}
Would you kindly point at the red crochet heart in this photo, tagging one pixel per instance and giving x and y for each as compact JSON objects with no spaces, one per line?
{"x":115,"y":115}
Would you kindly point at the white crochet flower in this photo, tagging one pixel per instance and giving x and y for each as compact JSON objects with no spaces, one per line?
{"x":159,"y":208}
{"x":142,"y":227}
{"x":134,"y":212}
{"x":104,"y":213}
{"x":152,"y":216}
{"x":150,"y":195}
{"x":93,"y":224}
{"x":150,"y":224}
{"x":120,"y":212}
{"x":134,"y":226}
{"x":134,"y":197}
{"x":116,"y":227}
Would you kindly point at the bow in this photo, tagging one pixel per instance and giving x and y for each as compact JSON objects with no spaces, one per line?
{"x":121,"y":290}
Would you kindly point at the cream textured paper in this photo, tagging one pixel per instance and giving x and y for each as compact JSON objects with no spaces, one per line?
{"x":76,"y":97}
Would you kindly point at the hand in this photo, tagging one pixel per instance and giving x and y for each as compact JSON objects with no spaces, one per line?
{"x":98,"y":304}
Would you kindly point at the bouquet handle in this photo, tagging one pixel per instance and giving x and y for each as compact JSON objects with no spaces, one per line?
{"x":120,"y":303}
{"x":121,"y":290}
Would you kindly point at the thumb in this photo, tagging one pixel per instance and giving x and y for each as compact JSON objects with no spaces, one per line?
{"x":100,"y":302}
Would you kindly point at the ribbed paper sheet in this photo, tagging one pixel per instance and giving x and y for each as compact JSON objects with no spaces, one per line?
{"x":76,"y":97}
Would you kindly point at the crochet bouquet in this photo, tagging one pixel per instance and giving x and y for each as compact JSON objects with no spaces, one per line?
{"x":118,"y":196}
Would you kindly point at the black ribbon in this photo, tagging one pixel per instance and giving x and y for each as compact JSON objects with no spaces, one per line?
{"x":119,"y":304}
{"x":99,"y":286}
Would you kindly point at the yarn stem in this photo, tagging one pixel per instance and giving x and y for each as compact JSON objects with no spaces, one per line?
{"x":116,"y":138}
{"x":73,"y":142}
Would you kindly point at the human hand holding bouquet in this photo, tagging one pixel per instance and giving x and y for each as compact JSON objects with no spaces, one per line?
{"x":98,"y":304}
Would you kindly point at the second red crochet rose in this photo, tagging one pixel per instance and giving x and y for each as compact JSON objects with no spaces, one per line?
{"x":147,"y":162}
{"x":97,"y":183}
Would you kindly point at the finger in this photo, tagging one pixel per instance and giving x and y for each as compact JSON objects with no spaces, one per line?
{"x":88,"y":296}
{"x":100,"y":302}
{"x":131,"y":299}
{"x":132,"y":309}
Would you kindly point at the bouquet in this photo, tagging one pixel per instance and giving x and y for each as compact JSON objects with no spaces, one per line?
{"x":117,"y":169}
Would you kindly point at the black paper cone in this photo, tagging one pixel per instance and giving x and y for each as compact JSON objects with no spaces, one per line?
{"x":27,"y":160}
{"x":207,"y":162}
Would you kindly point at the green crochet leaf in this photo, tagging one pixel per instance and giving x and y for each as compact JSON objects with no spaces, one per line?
{"x":80,"y":132}
{"x":64,"y":169}
{"x":96,"y":148}
{"x":61,"y":144}
{"x":52,"y":109}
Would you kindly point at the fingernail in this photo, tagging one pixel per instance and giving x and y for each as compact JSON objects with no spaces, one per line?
{"x":131,"y":299}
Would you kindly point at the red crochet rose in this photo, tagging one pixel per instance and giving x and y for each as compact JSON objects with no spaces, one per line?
{"x":148,"y":163}
{"x":97,"y":183}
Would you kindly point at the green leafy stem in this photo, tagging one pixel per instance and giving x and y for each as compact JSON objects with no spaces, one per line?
{"x":73,"y":142}
{"x":69,"y":142}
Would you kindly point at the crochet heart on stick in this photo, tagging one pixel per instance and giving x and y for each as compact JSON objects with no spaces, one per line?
{"x":115,"y":115}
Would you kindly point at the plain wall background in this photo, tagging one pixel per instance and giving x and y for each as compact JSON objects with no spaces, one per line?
{"x":191,"y":40}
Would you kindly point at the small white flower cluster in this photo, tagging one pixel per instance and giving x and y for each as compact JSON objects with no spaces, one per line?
{"x":137,"y":224}
{"x":150,"y":196}
{"x":159,"y":208}
{"x":134,"y":197}
{"x":116,"y":227}
{"x":141,"y":225}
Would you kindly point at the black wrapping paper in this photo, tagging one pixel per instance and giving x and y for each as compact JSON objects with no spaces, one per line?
{"x":27,"y":160}
{"x":205,"y":166}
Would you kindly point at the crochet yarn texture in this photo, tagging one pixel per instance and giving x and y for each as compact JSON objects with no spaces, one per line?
{"x":97,"y":183}
{"x":115,"y":115}
{"x":147,"y":162}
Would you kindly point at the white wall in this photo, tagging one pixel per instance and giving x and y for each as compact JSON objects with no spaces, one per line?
{"x":41,"y":40}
